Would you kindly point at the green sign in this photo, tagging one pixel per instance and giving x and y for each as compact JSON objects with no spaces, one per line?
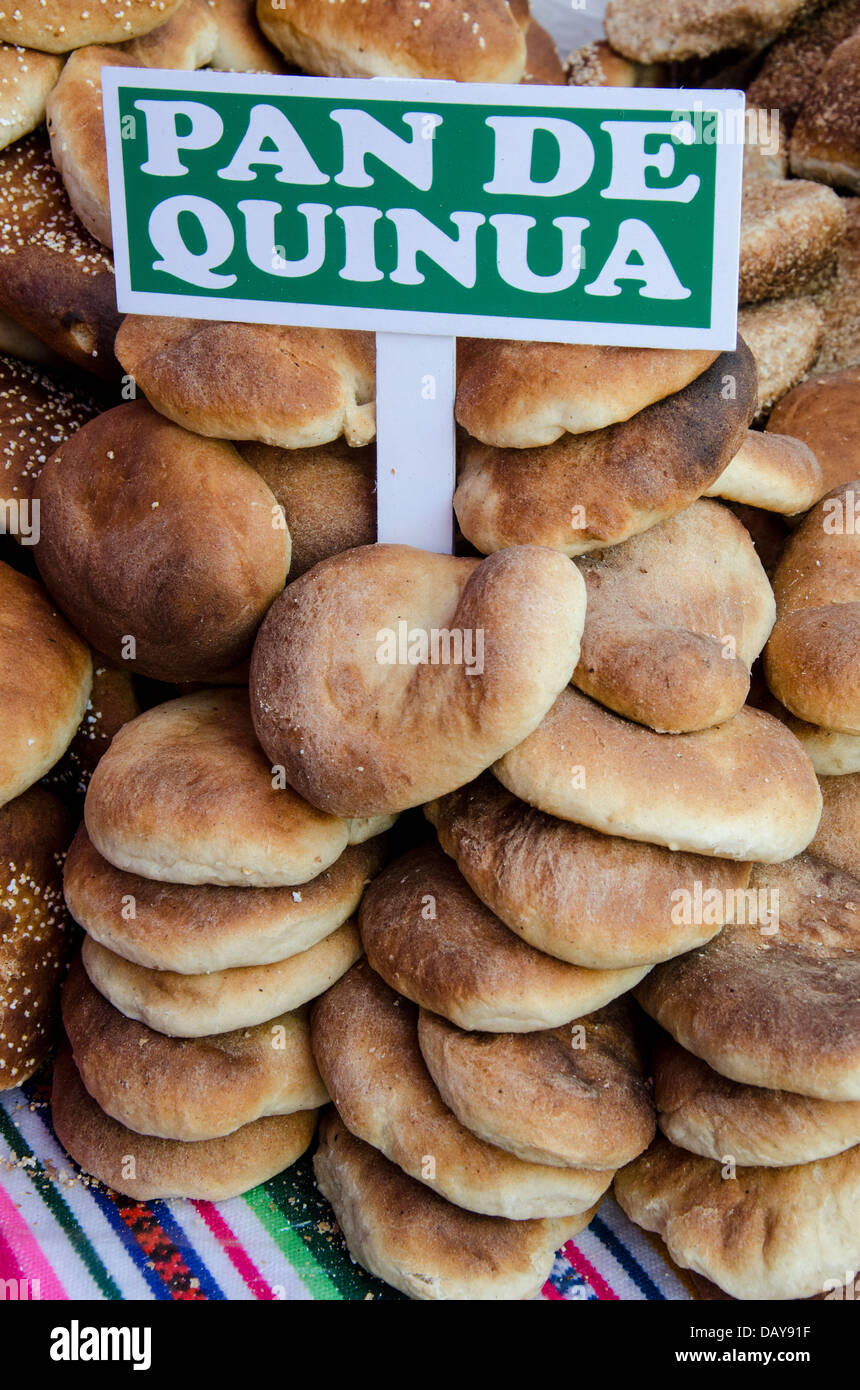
{"x":558,"y":213}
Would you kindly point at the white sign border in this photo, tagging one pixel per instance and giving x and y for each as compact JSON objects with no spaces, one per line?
{"x":721,"y":334}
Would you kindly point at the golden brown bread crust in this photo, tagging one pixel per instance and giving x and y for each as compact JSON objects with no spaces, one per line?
{"x":328,"y":495}
{"x":674,"y":620}
{"x":45,"y":677}
{"x":365,"y":1041}
{"x":593,"y":900}
{"x":292,"y":387}
{"x":144,"y":1167}
{"x":780,"y":1009}
{"x":56,"y":26}
{"x":812,"y":661}
{"x":38,"y":412}
{"x":144,"y":528}
{"x":596,"y":489}
{"x":774,"y":472}
{"x":113,"y":702}
{"x":421,"y":1244}
{"x":35,"y":929}
{"x":188,"y":39}
{"x":831,"y":753}
{"x":241,"y":46}
{"x":840,"y":301}
{"x":76,"y":126}
{"x":361,"y":736}
{"x":543,"y":64}
{"x":26,"y":78}
{"x":387,"y":38}
{"x":55,"y":279}
{"x":794,"y":61}
{"x":788,"y":230}
{"x":220,"y":1001}
{"x":191,"y":929}
{"x":742,"y":790}
{"x":695,"y":28}
{"x":596,"y":64}
{"x":837,"y":838}
{"x":187,"y":1088}
{"x":707,"y":1114}
{"x":430,"y":937}
{"x":768,"y":1233}
{"x":573,"y":1096}
{"x":825,"y":143}
{"x":784,"y":336}
{"x":185,"y":795}
{"x":522,"y":395}
{"x":823,"y":412}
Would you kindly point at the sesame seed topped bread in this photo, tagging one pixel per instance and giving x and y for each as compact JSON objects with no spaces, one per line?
{"x":481,"y":41}
{"x":26,"y":78}
{"x":789,"y":228}
{"x":35,"y":929}
{"x":204,"y":1170}
{"x":362,"y":730}
{"x":430,"y":937}
{"x":777,"y":1008}
{"x":694,"y":28}
{"x":56,"y":26}
{"x":55,"y":279}
{"x":825,"y":143}
{"x":39,"y":410}
{"x":184,"y":794}
{"x":365,"y":1041}
{"x":188,"y":1088}
{"x":773,"y":471}
{"x":596,"y":489}
{"x":146,"y":527}
{"x":674,"y":619}
{"x":46,"y":673}
{"x":192,"y":929}
{"x":707,"y":1114}
{"x":575,"y":1096}
{"x":812,"y":660}
{"x":744,"y":789}
{"x":594,"y":900}
{"x":766,"y":1233}
{"x":823,"y":413}
{"x":293,"y":387}
{"x":423,"y":1245}
{"x":220,"y":1001}
{"x":517,"y":395}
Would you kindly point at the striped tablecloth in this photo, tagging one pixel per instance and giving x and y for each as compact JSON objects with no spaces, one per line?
{"x":65,"y":1236}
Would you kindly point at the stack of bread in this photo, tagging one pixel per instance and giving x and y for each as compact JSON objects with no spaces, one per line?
{"x":629,"y":820}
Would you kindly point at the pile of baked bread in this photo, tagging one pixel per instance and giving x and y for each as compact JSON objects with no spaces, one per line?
{"x":537,"y":865}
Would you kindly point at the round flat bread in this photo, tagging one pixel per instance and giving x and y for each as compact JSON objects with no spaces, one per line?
{"x":775,"y":1002}
{"x":694,"y":28}
{"x":365,"y":1041}
{"x":674,"y":620}
{"x":789,"y":229}
{"x":185,"y":795}
{"x":204,"y":928}
{"x":57,"y":27}
{"x":784,"y":336}
{"x":822,"y":413}
{"x":387,"y":675}
{"x":145,"y":1168}
{"x":594,"y":900}
{"x":432,"y":938}
{"x":26,"y":78}
{"x":595,"y":489}
{"x":774,"y":472}
{"x":706,"y":1113}
{"x":837,"y":838}
{"x":572,"y":1097}
{"x":45,"y":679}
{"x":220,"y":1001}
{"x":765,"y":1233}
{"x":742,"y":790}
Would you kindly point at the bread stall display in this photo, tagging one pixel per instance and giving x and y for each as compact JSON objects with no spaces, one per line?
{"x":381,"y":919}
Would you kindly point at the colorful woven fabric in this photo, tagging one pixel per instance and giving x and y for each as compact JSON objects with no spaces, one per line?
{"x":65,"y":1236}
